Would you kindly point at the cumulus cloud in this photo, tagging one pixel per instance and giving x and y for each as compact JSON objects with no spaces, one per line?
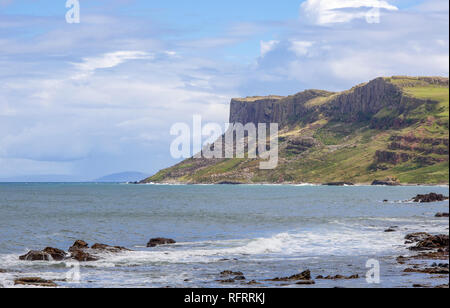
{"x":324,"y":12}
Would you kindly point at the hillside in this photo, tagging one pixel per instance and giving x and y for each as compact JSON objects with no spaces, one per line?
{"x":393,"y":127}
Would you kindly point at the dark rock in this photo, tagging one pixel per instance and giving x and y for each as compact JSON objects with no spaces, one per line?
{"x":240,"y":278}
{"x":108,"y":248}
{"x":385,"y":183}
{"x":35,"y":281}
{"x":83,"y":256}
{"x":432,"y":242}
{"x":433,"y":270}
{"x":231,"y":273}
{"x":428,"y":198}
{"x":417,"y":237}
{"x":56,"y":254}
{"x":390,"y":230}
{"x":339,"y":184}
{"x":305,"y":282}
{"x":229,"y":183}
{"x":35,"y":255}
{"x":79,"y":245}
{"x":442,"y":215}
{"x":227,"y":281}
{"x":338,"y":277}
{"x":306,"y":275}
{"x":160,"y":241}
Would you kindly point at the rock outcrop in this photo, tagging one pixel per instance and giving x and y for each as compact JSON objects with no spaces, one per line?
{"x":160,"y":241}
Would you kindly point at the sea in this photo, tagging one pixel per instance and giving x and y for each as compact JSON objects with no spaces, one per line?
{"x":262,"y":231}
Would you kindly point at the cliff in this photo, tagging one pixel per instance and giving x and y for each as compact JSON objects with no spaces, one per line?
{"x":388,"y":127}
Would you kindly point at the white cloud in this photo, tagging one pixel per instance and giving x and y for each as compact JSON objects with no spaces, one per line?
{"x":108,"y":60}
{"x":267,"y":46}
{"x":301,"y":48}
{"x":324,"y":12}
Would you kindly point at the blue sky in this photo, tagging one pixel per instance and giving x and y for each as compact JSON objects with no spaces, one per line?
{"x":84,"y":100}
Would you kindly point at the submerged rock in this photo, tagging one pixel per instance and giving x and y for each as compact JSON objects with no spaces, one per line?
{"x":338,"y":277}
{"x":160,"y":241}
{"x":231,"y":273}
{"x":428,"y":198}
{"x":35,"y":281}
{"x":431,"y":270}
{"x":306,"y":275}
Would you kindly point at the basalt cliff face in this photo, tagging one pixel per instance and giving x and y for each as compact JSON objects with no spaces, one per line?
{"x":394,"y":127}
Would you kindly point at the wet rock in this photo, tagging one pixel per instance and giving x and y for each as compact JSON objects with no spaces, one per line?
{"x":305,"y":282}
{"x":306,"y":275}
{"x":390,"y":230}
{"x":337,"y":277}
{"x":444,"y":286}
{"x":432,"y":270}
{"x":83,"y":256}
{"x":108,"y":248}
{"x":160,"y":241}
{"x":35,"y":281}
{"x":227,"y":281}
{"x":442,"y":215}
{"x":231,"y":273}
{"x":55,"y":253}
{"x":417,"y":237}
{"x":2,"y":270}
{"x":35,"y":255}
{"x":432,"y":242}
{"x":432,"y":197}
{"x":339,"y":184}
{"x":240,"y":278}
{"x":253,"y":282}
{"x":79,"y":245}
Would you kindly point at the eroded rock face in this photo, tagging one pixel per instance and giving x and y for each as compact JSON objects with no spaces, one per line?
{"x":35,"y":281}
{"x":428,"y":198}
{"x":160,"y":241}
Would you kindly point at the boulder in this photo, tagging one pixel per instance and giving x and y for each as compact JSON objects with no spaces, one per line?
{"x":83,"y":256}
{"x":108,"y":248}
{"x":35,"y":255}
{"x":35,"y":281}
{"x":339,"y":184}
{"x":338,"y":277}
{"x":231,"y":273}
{"x":160,"y":241}
{"x":55,"y":253}
{"x":78,"y":245}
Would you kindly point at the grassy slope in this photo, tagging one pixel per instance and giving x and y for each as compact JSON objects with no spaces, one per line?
{"x":344,"y":152}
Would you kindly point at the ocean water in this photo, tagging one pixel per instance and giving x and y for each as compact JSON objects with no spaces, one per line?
{"x":264,"y":231}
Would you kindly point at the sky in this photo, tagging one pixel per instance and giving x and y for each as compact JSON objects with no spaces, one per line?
{"x":82,"y":100}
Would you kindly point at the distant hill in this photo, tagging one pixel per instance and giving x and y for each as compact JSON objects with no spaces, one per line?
{"x":122,"y":177}
{"x":395,"y":127}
